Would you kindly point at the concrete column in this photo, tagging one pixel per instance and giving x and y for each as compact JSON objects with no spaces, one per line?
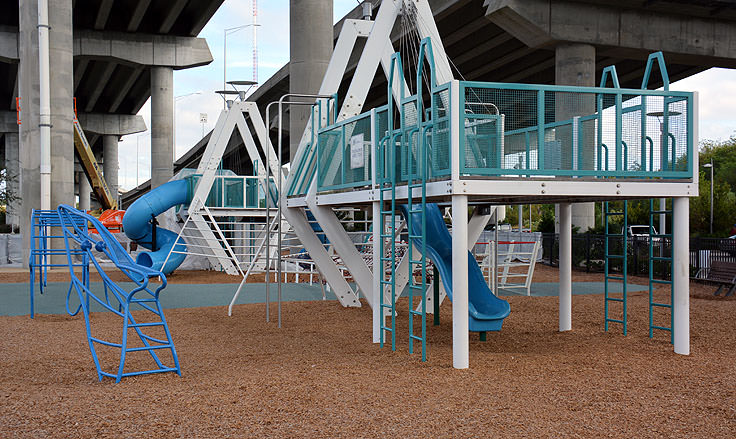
{"x":162,"y":125}
{"x":61,"y":55}
{"x":29,"y":137}
{"x":62,"y":86}
{"x":85,"y":191}
{"x":575,"y":65}
{"x":310,"y":47}
{"x":12,"y":167}
{"x":110,"y":166}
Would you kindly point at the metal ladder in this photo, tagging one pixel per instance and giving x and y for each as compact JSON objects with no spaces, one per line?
{"x":417,"y":179}
{"x":664,"y":258}
{"x":387,"y":187}
{"x":622,"y":257}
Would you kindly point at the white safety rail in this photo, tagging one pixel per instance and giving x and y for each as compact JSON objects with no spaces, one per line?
{"x":512,"y":261}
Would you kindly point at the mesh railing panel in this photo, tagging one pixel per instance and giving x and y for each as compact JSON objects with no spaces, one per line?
{"x":586,"y":133}
{"x":345,"y":154}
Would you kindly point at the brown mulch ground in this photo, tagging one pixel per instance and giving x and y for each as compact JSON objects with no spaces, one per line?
{"x":320,"y":376}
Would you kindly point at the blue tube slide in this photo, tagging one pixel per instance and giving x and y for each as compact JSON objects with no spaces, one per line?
{"x":137,"y":226}
{"x":486,"y":311}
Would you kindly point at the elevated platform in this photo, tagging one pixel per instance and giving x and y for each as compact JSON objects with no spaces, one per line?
{"x":480,"y":140}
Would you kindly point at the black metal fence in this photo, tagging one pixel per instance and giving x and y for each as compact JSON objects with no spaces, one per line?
{"x":588,"y":253}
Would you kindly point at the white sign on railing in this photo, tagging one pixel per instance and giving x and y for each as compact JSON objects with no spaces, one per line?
{"x":357,"y":157}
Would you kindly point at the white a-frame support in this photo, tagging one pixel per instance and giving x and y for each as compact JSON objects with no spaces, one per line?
{"x":228,"y":121}
{"x":378,"y":49}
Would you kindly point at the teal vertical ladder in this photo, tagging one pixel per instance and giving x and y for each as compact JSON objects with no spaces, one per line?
{"x":607,"y":214}
{"x":417,"y":179}
{"x":664,"y":258}
{"x":387,"y":192}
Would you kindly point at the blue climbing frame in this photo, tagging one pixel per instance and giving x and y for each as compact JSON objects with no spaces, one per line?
{"x":118,"y":299}
{"x":46,"y":252}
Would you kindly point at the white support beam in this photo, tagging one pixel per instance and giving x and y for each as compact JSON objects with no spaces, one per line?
{"x":565,"y":295}
{"x":460,"y":318}
{"x":681,"y":274}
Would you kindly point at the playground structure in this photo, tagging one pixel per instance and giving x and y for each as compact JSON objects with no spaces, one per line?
{"x":452,"y":142}
{"x":118,"y":300}
{"x":437,"y":142}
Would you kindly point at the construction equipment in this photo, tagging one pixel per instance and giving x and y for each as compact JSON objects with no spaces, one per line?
{"x":92,"y":169}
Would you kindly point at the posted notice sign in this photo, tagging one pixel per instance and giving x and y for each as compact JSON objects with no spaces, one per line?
{"x":357,"y":152}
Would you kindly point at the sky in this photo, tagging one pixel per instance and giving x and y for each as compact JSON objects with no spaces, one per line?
{"x":194,"y":88}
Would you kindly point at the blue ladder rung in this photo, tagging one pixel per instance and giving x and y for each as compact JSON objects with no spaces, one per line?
{"x":663,"y":328}
{"x":615,"y":256}
{"x":615,"y":278}
{"x":662,"y":305}
{"x":387,"y":305}
{"x":660,"y":212}
{"x":614,"y":213}
{"x":614,"y":299}
{"x":150,"y":348}
{"x":661,"y":258}
{"x":664,"y":282}
{"x":141,"y":325}
{"x":615,"y":321}
{"x":415,"y":312}
{"x":387,"y":328}
{"x":147,"y":372}
{"x":106,"y":343}
{"x":416,"y":337}
{"x":415,"y":261}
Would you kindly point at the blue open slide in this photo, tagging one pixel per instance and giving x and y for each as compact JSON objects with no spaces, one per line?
{"x":486,"y":310}
{"x":137,"y":225}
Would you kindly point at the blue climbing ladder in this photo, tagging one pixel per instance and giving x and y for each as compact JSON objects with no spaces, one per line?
{"x":660,"y":261}
{"x":622,"y":257}
{"x":387,"y":265}
{"x":119,"y":299}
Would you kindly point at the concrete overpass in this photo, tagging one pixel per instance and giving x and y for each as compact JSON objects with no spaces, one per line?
{"x":111,"y":56}
{"x":566,"y":42}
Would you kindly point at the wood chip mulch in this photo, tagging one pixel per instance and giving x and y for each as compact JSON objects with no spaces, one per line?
{"x":320,"y":376}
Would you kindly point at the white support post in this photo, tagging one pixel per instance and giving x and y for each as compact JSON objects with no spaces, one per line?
{"x":377,"y":272}
{"x":681,"y":274}
{"x":565,"y":273}
{"x":460,"y":336}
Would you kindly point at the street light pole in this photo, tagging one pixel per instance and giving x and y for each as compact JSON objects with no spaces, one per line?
{"x":228,"y":31}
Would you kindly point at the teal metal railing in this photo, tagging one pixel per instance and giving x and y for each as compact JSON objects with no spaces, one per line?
{"x":531,"y":130}
{"x":236,"y":192}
